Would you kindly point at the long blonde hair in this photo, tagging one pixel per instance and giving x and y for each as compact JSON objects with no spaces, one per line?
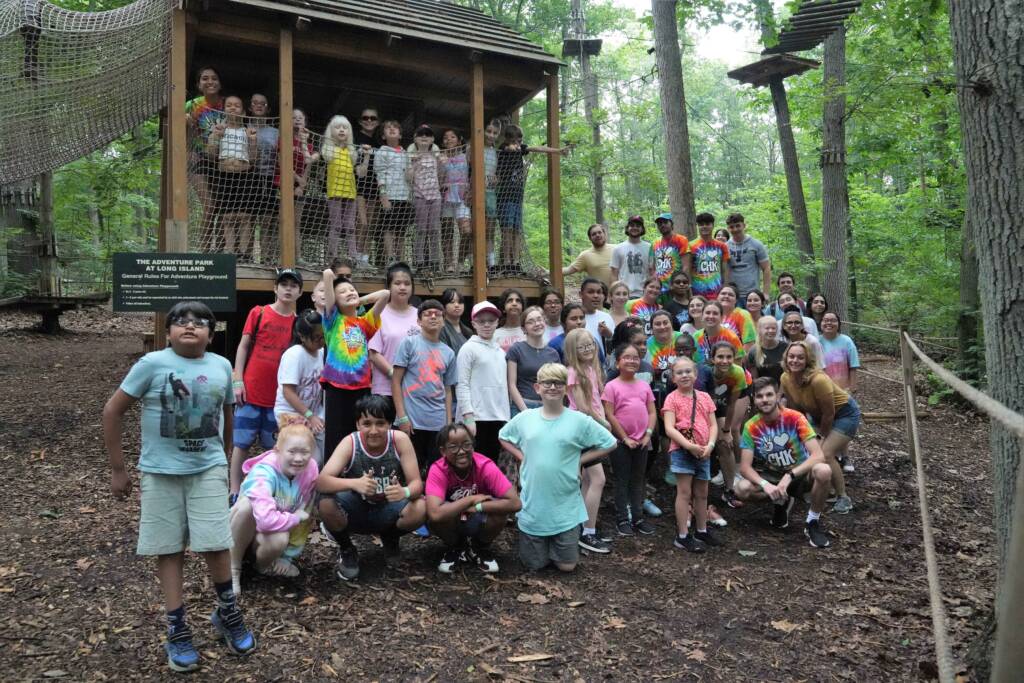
{"x":572,"y":359}
{"x":758,"y":349}
{"x":329,"y":147}
{"x":811,"y":364}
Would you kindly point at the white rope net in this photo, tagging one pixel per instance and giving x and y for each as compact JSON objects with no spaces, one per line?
{"x":72,"y":82}
{"x":368,"y":205}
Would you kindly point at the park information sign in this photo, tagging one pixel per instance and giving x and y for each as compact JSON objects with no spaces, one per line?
{"x":152,"y":283}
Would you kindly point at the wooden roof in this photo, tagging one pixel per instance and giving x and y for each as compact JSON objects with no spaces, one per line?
{"x":813,"y":22}
{"x":430,"y":20}
{"x":760,"y":73}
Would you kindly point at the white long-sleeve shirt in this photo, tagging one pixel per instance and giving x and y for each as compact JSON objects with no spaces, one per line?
{"x":390,"y":164}
{"x":483,"y":380}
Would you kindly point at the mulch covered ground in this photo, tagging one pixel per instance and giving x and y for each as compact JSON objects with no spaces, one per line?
{"x":76,"y":603}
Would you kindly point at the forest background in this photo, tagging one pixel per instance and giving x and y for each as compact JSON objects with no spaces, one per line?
{"x":906,"y":180}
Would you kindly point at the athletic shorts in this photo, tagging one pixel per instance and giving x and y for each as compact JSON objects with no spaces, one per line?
{"x":684,"y":462}
{"x":456,"y":210}
{"x":252,"y":421}
{"x":510,"y":214}
{"x":537,"y":552}
{"x":797,"y":488}
{"x":184,"y":511}
{"x":365,"y":517}
{"x":490,"y":203}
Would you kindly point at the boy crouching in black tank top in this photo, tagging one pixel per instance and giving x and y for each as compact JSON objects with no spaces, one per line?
{"x":371,"y":485}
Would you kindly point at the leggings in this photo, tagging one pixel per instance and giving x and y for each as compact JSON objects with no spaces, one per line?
{"x":427,"y":239}
{"x":629,"y":466}
{"x":339,"y":415}
{"x":342,"y":223}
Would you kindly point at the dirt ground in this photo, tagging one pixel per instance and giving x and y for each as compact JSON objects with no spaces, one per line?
{"x":76,"y":603}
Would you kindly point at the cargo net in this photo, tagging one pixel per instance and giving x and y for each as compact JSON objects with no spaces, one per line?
{"x":368,"y":206}
{"x":72,"y":82}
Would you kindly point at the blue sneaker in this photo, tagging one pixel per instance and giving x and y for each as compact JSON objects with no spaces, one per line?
{"x":237,"y":637}
{"x":423,"y":532}
{"x":650,"y":509}
{"x":181,"y":654}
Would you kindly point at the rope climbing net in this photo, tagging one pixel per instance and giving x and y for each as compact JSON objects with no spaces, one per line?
{"x":72,"y":82}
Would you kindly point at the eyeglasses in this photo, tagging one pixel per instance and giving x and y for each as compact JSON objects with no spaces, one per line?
{"x":586,"y":347}
{"x":433,"y":313}
{"x":183,"y":321}
{"x":793,"y":323}
{"x":368,"y":118}
{"x":464,"y":447}
{"x":552,"y":384}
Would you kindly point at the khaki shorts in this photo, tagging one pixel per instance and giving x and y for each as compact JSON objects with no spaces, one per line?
{"x":184,"y":510}
{"x":537,"y":552}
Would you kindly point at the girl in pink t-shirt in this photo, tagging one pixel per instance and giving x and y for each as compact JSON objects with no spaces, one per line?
{"x":691,"y":427}
{"x":629,"y":409}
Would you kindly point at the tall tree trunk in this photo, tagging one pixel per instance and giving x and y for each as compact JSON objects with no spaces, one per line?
{"x":987,"y":42}
{"x":48,"y":275}
{"x":590,"y":105}
{"x":835,"y":204}
{"x":794,"y":184}
{"x":673,"y":115}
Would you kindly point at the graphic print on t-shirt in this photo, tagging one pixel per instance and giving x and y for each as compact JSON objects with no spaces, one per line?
{"x":778,"y":444}
{"x":190,"y":413}
{"x":708,"y":258}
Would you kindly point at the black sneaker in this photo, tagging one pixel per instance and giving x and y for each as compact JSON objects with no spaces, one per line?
{"x":347,"y":567}
{"x":730,"y":499}
{"x":780,"y":514}
{"x":815,"y":534}
{"x":689,"y":543}
{"x":707,"y":539}
{"x":624,"y":528}
{"x":644,"y":527}
{"x":594,"y":544}
{"x":392,"y":551}
{"x":451,"y":558}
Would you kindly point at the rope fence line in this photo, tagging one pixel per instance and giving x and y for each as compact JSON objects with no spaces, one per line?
{"x":875,"y":374}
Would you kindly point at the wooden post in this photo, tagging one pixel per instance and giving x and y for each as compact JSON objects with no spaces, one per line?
{"x":286,"y":216}
{"x":909,"y":395}
{"x":554,"y":188}
{"x":1008,"y":657}
{"x":177,"y":225}
{"x":477,"y":143}
{"x":159,"y":331}
{"x":48,"y":276}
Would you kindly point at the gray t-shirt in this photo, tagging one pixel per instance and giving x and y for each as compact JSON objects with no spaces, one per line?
{"x":182,"y":410}
{"x":633,"y":263}
{"x":266,"y":150}
{"x":745,"y":263}
{"x":429,"y":370}
{"x":528,"y":361}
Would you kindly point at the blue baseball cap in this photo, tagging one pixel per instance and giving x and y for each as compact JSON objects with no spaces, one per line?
{"x":663,"y":218}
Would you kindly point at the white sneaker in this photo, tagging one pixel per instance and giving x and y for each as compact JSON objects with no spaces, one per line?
{"x":718,"y":479}
{"x":848,"y":465}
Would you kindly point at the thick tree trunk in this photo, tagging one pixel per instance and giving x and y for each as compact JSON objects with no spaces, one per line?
{"x":835,"y":199}
{"x":794,"y":184}
{"x":987,"y":44}
{"x":673,"y":115}
{"x":590,"y":105}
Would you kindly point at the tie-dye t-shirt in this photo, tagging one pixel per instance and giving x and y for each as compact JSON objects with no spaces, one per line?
{"x":708,"y":259}
{"x":205,"y":118}
{"x":742,"y":325}
{"x":705,"y":342}
{"x":643,"y":310}
{"x":779,"y":445}
{"x":668,"y":257}
{"x":732,"y":383}
{"x":347,"y":360}
{"x":661,"y":357}
{"x":840,"y":356}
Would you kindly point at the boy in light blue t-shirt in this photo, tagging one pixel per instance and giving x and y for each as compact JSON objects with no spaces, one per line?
{"x":551,"y":443}
{"x":187,"y":401}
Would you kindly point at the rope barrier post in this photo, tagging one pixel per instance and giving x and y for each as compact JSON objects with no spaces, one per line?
{"x":909,"y":397}
{"x":1008,"y":659}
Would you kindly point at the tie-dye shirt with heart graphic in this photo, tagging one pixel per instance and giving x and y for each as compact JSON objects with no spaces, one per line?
{"x":778,"y":446}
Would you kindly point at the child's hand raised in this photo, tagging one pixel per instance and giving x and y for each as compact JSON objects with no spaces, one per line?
{"x":219,"y":128}
{"x":251,"y":132}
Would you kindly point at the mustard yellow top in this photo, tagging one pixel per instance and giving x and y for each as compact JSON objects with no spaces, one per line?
{"x":809,"y":396}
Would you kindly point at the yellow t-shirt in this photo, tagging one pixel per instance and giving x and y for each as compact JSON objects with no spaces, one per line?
{"x":341,"y":179}
{"x":808,"y":397}
{"x":596,"y":263}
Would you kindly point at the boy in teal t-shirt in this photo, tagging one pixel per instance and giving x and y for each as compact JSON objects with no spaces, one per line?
{"x":552,"y":443}
{"x":186,"y":399}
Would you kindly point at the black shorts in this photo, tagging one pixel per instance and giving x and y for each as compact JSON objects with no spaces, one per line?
{"x":797,"y":488}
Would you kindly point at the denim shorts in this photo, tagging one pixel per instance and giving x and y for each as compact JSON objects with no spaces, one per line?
{"x":365,"y":517}
{"x":847,"y":418}
{"x":510,"y":214}
{"x":683,"y":462}
{"x":490,"y":203}
{"x":184,"y":510}
{"x":254,"y":421}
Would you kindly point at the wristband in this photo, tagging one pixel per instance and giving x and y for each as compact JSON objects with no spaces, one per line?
{"x":238,"y":384}
{"x":308,"y":414}
{"x":402,"y":420}
{"x":764,"y":484}
{"x":479,"y":507}
{"x":649,"y":432}
{"x":408,"y":494}
{"x":468,"y":421}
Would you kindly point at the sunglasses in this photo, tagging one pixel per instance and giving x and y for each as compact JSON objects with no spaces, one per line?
{"x":368,"y":118}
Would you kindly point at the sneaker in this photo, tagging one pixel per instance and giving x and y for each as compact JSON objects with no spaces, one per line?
{"x":392,"y":551}
{"x":181,"y":654}
{"x":714,"y":517}
{"x":327,"y":534}
{"x":452,"y":557}
{"x":848,"y":465}
{"x":650,"y":509}
{"x":280,"y":567}
{"x":707,"y":539}
{"x":718,"y":479}
{"x":423,"y":532}
{"x":689,"y":543}
{"x":817,"y":537}
{"x":237,"y":637}
{"x":780,"y":514}
{"x":843,"y":505}
{"x":644,"y":527}
{"x":730,"y":499}
{"x":594,"y":544}
{"x":484,"y":558}
{"x":347,"y":567}
{"x":624,"y":528}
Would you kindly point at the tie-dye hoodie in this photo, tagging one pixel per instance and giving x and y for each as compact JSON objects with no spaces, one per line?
{"x":276,"y":499}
